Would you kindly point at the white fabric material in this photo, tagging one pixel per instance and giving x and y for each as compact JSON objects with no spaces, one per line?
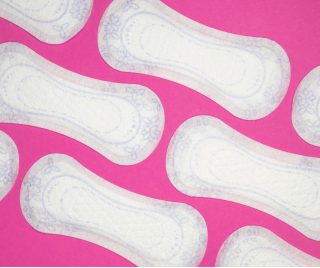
{"x":9,"y":164}
{"x":254,"y":246}
{"x":247,"y":76}
{"x":207,"y":158}
{"x":51,"y":21}
{"x":305,"y":108}
{"x":60,"y":196}
{"x":121,"y":121}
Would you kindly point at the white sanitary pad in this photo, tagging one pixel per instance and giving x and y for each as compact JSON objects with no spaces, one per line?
{"x":123,"y":122}
{"x":207,"y":158}
{"x":305,"y":110}
{"x":248,"y":76}
{"x":9,"y":164}
{"x":254,"y":246}
{"x":51,"y":21}
{"x":60,"y":196}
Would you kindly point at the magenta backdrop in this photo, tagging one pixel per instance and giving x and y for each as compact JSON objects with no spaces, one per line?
{"x":294,"y":24}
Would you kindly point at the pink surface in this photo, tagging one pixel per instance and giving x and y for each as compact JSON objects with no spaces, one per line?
{"x":295,"y":25}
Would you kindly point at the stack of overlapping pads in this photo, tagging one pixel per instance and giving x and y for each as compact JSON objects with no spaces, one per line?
{"x":248,"y":76}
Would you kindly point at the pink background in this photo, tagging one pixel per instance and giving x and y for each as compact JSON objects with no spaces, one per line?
{"x":294,"y":24}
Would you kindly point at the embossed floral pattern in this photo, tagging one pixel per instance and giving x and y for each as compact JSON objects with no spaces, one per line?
{"x":200,"y":223}
{"x":305,"y":100}
{"x":251,"y":111}
{"x":157,"y":102}
{"x":110,"y":87}
{"x":299,"y":127}
{"x":111,"y":27}
{"x":174,"y":177}
{"x":130,"y":5}
{"x":133,"y":151}
{"x":253,"y":45}
{"x":26,"y":212}
{"x":104,"y":52}
{"x":183,"y":143}
{"x":6,"y":174}
{"x":170,"y":209}
{"x":45,"y":220}
{"x":3,"y":150}
{"x":123,"y":56}
{"x":79,"y":9}
{"x":9,"y":49}
{"x":272,"y":95}
{"x":150,"y":131}
{"x":305,"y":162}
{"x":191,"y":257}
{"x":13,"y":149}
{"x":11,"y":115}
{"x":71,"y":230}
{"x":61,"y":29}
{"x":203,"y":189}
{"x":136,"y":97}
{"x":252,"y":233}
{"x":315,"y":126}
{"x":33,"y":187}
{"x":316,"y":137}
{"x":51,"y":167}
{"x":231,"y":251}
{"x":150,"y":69}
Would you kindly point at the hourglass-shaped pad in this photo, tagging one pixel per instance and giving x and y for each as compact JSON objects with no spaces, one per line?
{"x":248,"y":76}
{"x":207,"y":158}
{"x":60,"y":196}
{"x":123,"y":122}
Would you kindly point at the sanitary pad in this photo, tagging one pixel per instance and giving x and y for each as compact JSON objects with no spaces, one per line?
{"x":207,"y":158}
{"x":123,"y":122}
{"x":254,"y":246}
{"x":60,"y":196}
{"x":305,"y":110}
{"x":51,"y":21}
{"x":9,"y":164}
{"x":248,"y":76}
